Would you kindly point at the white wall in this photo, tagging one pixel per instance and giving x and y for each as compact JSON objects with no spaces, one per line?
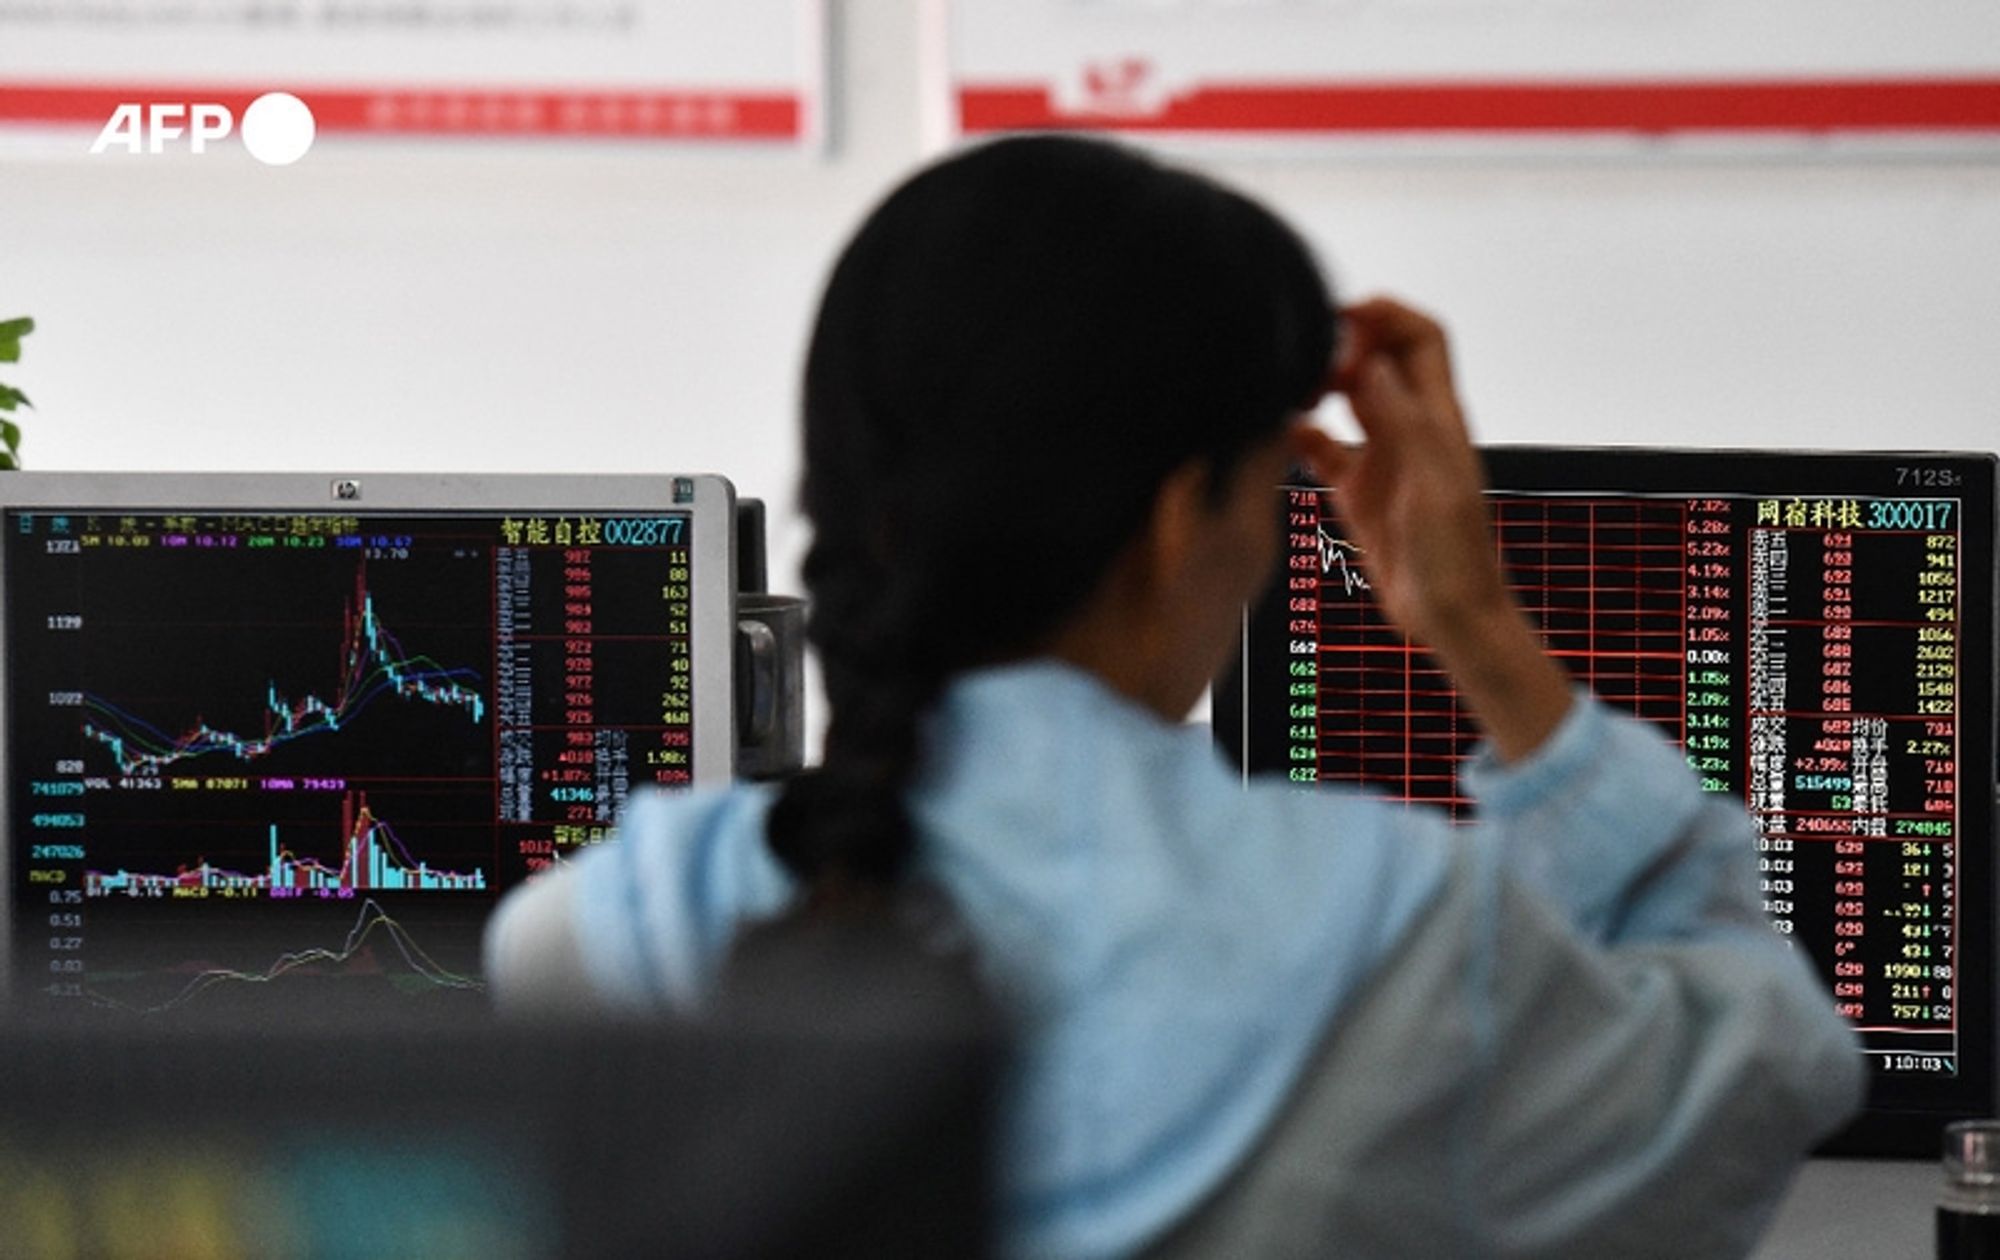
{"x":411,"y":306}
{"x":1705,"y":302}
{"x":418,"y":306}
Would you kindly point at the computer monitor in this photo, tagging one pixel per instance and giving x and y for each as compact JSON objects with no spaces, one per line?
{"x":295,"y":734}
{"x":1815,"y":629}
{"x":855,"y":1119}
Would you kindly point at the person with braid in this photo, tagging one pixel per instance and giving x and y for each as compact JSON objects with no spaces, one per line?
{"x":1049,"y":394}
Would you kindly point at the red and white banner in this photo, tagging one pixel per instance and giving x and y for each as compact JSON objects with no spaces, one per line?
{"x":1395,"y":70}
{"x":747,"y":71}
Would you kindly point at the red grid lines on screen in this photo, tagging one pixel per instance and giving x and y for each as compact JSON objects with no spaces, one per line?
{"x":1602,"y":578}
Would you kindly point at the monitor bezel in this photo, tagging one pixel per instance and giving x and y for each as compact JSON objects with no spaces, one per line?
{"x":707,"y":498}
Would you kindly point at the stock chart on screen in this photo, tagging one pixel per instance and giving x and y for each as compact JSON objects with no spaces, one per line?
{"x":1814,"y":630}
{"x":309,"y":750}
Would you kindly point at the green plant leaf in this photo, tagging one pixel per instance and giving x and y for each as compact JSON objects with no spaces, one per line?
{"x":11,"y":332}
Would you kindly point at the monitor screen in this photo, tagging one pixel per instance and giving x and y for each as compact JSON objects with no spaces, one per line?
{"x":295,"y":735}
{"x":1815,"y":629}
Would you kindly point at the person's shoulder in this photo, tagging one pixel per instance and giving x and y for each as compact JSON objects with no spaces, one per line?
{"x":656,"y":903}
{"x":705,"y":847}
{"x":1042,"y":776}
{"x":1266,"y":818}
{"x":655,"y":815}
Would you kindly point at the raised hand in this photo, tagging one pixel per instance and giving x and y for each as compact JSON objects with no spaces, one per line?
{"x":1410,"y":496}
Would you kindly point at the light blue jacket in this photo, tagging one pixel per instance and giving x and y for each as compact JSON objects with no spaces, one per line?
{"x":1181,"y":947}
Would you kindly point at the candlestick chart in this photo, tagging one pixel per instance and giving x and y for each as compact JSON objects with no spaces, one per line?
{"x":371,"y":664}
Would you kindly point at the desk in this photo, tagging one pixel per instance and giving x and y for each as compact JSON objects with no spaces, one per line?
{"x":1856,"y":1209}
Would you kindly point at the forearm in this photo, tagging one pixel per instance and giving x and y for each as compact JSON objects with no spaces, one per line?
{"x":1516,"y":692}
{"x":1606,"y":820}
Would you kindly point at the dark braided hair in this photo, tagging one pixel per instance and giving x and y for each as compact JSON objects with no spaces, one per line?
{"x":1015,"y":351}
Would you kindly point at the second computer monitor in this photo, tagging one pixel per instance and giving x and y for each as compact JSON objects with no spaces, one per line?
{"x":293,"y":735}
{"x":1814,"y":629}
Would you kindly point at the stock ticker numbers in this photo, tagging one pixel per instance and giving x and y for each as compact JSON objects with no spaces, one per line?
{"x":1802,"y":651}
{"x":595,"y":693}
{"x":255,"y":724}
{"x":1853,"y":639}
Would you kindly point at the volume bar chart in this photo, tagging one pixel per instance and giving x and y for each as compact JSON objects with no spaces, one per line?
{"x":372,"y":859}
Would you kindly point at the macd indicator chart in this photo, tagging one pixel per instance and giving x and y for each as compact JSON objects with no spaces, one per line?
{"x":1825,"y":657}
{"x":226,"y":731}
